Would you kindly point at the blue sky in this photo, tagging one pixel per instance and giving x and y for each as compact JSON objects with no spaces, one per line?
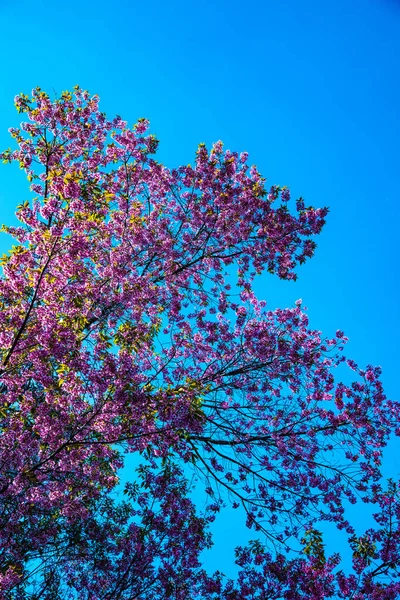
{"x":310,"y":89}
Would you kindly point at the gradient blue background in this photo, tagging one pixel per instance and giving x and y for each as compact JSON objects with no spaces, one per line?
{"x":310,"y":89}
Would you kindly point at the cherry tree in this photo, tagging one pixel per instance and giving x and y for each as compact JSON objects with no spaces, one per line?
{"x":129,"y":324}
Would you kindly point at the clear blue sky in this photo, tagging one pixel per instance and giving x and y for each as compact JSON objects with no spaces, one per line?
{"x":310,"y":89}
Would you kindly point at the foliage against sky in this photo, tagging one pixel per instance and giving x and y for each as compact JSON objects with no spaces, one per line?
{"x":125,"y":330}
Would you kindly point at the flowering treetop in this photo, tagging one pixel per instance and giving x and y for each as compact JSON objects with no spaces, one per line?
{"x":129,"y":323}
